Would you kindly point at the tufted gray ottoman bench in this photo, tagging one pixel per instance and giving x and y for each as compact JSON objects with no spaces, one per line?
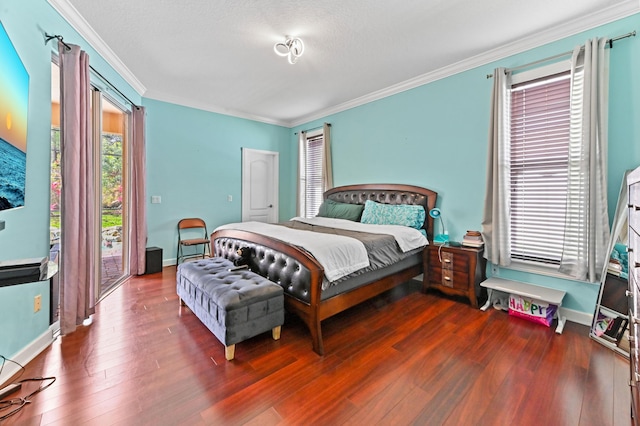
{"x":235,"y":305}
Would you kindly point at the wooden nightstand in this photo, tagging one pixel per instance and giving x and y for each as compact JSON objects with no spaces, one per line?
{"x":454,"y":270}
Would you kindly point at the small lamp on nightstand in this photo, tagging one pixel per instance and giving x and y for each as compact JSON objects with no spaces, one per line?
{"x":442,"y":238}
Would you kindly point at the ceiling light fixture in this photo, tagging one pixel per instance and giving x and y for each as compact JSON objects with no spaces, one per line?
{"x":292,"y":48}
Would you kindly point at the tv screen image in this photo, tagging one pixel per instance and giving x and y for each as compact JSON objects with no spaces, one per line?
{"x":14,"y":99}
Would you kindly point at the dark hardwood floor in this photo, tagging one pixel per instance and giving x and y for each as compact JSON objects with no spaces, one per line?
{"x":402,"y":358}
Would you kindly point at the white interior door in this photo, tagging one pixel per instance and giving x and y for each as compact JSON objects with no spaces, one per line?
{"x":259,"y":185}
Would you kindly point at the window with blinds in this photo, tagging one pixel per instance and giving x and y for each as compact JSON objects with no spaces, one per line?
{"x":312,"y":177}
{"x":539,"y":128}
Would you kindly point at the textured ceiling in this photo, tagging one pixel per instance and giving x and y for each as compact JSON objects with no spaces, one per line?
{"x":218,"y":55}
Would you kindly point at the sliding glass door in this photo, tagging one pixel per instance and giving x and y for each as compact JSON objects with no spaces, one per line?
{"x":110,"y":138}
{"x":111,"y":154}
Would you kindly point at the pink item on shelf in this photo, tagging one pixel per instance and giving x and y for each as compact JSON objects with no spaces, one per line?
{"x":531,"y":309}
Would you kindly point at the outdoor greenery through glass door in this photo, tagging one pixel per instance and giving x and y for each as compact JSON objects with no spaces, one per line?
{"x":112,"y":195}
{"x":112,"y":184}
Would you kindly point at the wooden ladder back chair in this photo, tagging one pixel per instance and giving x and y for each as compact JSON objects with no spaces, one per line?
{"x":192,"y":232}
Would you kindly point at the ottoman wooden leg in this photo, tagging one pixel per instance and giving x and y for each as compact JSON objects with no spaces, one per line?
{"x":229,"y":352}
{"x":275,"y":332}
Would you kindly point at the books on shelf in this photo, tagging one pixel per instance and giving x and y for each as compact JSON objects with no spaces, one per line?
{"x":472,"y":239}
{"x":614,"y":267}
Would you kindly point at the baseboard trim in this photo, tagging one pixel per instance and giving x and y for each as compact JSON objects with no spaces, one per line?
{"x":29,"y":352}
{"x":578,"y":317}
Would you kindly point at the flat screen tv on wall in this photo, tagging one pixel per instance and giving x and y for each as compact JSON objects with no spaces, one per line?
{"x":14,"y":99}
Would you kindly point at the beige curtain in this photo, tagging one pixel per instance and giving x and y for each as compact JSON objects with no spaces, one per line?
{"x":78,"y":211}
{"x":583,"y":257}
{"x":327,"y":169}
{"x":137,"y":207}
{"x":302,"y":150}
{"x":495,"y":219}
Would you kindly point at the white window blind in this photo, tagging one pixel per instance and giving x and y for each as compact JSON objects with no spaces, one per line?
{"x":313,"y":175}
{"x":540,"y":117}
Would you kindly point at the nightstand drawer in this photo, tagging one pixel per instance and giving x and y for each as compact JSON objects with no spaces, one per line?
{"x":449,"y":278}
{"x":458,"y":261}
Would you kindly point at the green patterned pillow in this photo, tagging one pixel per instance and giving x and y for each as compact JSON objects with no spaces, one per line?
{"x":393,"y":214}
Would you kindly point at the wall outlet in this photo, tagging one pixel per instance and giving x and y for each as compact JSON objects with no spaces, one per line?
{"x":156,"y":199}
{"x":37,"y":303}
{"x":229,"y":198}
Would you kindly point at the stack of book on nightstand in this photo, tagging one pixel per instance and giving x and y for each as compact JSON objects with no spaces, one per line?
{"x":472,"y":239}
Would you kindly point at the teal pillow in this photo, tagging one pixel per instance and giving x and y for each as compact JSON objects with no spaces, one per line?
{"x":393,"y":214}
{"x":336,"y":210}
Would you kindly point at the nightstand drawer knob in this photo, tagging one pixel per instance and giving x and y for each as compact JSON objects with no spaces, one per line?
{"x":447,"y":281}
{"x":446,"y":260}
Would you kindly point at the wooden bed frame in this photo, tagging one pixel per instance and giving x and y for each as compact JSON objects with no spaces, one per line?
{"x":301,"y":275}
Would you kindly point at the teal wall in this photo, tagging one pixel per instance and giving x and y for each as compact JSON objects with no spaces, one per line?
{"x":194,"y":161}
{"x":27,"y":228}
{"x":436,"y":136}
{"x":433,"y":136}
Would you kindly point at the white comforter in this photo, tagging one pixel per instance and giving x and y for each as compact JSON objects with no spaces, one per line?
{"x":338,"y":255}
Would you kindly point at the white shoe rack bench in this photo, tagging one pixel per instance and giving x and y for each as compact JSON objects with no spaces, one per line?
{"x":532,"y":291}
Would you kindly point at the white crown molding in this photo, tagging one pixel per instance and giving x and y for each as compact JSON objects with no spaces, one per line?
{"x":215,"y":108}
{"x":619,"y":11}
{"x":73,"y":17}
{"x":605,"y":16}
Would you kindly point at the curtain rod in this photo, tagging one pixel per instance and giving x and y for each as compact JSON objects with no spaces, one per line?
{"x":551,"y":58}
{"x":48,"y":38}
{"x":315,"y":128}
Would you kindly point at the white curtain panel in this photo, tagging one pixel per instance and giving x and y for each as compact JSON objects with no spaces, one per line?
{"x":586,"y":239}
{"x":302,"y":193}
{"x":495,"y":220}
{"x":327,"y":168}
